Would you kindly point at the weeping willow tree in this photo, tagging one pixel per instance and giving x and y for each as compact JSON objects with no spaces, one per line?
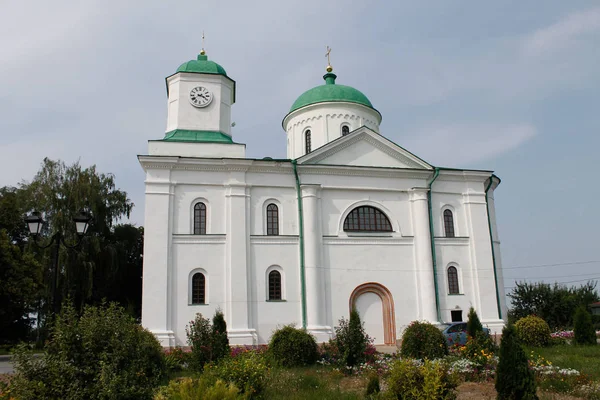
{"x":60,"y":191}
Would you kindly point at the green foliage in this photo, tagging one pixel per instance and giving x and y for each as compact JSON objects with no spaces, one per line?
{"x":292,"y":347}
{"x":533,"y":331}
{"x":102,"y":354}
{"x":554,"y":304}
{"x":220,"y":342}
{"x":415,"y":380}
{"x":583,"y":328}
{"x":202,"y":388}
{"x":199,"y":335}
{"x":373,"y":386}
{"x":176,"y":359}
{"x":480,"y":348}
{"x":422,"y":340}
{"x":473,"y":324}
{"x":21,"y":280}
{"x":351,"y":340}
{"x":514,"y":378}
{"x":248,"y":372}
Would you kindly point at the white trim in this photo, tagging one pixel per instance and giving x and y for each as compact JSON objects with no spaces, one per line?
{"x":395,"y":225}
{"x":191,"y":219}
{"x":206,"y":286}
{"x":282,"y":274}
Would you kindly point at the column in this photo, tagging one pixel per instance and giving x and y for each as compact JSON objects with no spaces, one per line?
{"x":313,"y":266}
{"x":237,"y":312}
{"x":423,"y":258}
{"x":157,"y":299}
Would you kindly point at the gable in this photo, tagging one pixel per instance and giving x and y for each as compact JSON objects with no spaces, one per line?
{"x":366,"y":148}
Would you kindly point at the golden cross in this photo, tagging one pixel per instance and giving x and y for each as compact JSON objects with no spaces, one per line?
{"x":202,"y":40}
{"x":327,"y":55}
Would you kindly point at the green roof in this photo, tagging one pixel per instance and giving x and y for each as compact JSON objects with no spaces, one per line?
{"x":203,"y":66}
{"x":330,"y":92}
{"x":185,"y":135}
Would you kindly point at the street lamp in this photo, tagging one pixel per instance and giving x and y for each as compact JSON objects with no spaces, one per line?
{"x":35,"y":222}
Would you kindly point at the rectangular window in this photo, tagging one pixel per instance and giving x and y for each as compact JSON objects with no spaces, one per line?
{"x":456,"y":315}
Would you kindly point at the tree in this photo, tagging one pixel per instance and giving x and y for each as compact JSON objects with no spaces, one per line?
{"x":351,"y":339}
{"x":20,"y":283}
{"x":473,"y":324}
{"x":555,"y":304}
{"x":11,"y":215}
{"x":514,"y":378}
{"x":220,"y":342}
{"x":583,"y":327}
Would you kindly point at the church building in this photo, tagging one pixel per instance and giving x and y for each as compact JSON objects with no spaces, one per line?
{"x":348,"y":219}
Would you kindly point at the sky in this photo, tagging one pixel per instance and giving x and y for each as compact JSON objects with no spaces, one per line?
{"x":507,"y":86}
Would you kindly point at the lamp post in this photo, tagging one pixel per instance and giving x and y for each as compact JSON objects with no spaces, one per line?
{"x":35,"y":222}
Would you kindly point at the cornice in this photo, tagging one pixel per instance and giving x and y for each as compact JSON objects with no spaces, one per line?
{"x":199,"y":239}
{"x":452,"y":241}
{"x":278,"y":240}
{"x":366,"y":240}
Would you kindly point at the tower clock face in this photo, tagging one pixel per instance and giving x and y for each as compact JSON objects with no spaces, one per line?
{"x":200,"y":96}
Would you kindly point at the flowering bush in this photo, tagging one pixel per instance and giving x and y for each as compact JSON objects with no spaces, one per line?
{"x":176,"y":359}
{"x":533,"y":331}
{"x":199,"y":338}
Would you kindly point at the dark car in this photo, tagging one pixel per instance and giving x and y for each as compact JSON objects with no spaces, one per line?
{"x":456,"y":332}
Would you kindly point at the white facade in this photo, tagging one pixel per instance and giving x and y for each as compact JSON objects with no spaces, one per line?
{"x":390,"y":276}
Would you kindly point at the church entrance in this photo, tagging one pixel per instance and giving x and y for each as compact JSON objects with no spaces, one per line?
{"x":375,"y":306}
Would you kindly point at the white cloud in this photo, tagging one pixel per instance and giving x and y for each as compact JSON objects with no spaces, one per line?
{"x":459,"y":145}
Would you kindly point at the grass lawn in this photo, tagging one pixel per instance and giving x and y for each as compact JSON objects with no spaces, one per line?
{"x":585,"y":359}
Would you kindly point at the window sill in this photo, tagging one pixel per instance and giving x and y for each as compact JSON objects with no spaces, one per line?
{"x":198,"y":304}
{"x":275,"y":301}
{"x":456,"y":294}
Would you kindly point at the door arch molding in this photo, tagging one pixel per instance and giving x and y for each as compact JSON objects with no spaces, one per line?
{"x":387,"y":302}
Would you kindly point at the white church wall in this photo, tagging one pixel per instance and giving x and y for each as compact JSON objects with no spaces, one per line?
{"x":284,"y":198}
{"x":200,"y":149}
{"x":186,"y":196}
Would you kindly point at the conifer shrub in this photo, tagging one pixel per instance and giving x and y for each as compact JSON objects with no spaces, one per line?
{"x":533,"y":331}
{"x":422,"y":340}
{"x":583,"y":327}
{"x":473,"y":324}
{"x":219,"y":339}
{"x":293,"y":347}
{"x":102,"y":354}
{"x":421,"y":380}
{"x":514,"y":378}
{"x":351,"y":340}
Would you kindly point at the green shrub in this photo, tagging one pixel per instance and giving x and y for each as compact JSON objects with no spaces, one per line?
{"x":247,"y":371}
{"x":533,"y":331}
{"x":514,"y":378}
{"x":480,"y":348}
{"x":176,"y":359}
{"x":584,"y":329}
{"x":219,"y":339}
{"x":422,"y":340}
{"x":199,"y":333}
{"x":416,"y":380}
{"x":351,"y":340}
{"x":292,"y":347}
{"x":102,"y":354}
{"x":473,"y":324}
{"x":202,"y":388}
{"x":373,"y":386}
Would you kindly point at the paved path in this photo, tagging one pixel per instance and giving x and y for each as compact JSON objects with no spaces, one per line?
{"x":6,"y":367}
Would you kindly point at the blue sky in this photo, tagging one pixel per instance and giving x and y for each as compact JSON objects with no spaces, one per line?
{"x":509,"y":86}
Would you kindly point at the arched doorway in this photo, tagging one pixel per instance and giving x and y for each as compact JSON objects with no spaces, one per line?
{"x":375,"y":304}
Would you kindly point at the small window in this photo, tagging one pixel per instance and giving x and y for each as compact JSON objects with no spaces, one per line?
{"x":307,"y":141}
{"x":367,"y":219}
{"x":274,"y":285}
{"x":272,"y":220}
{"x":456,"y":315}
{"x":345,"y":130}
{"x":198,"y":288}
{"x":453,"y":280}
{"x":200,"y":219}
{"x":448,"y":223}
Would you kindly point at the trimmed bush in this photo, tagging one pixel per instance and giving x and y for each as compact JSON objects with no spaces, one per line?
{"x":422,"y":340}
{"x":428,"y":380}
{"x":203,"y":388}
{"x":292,"y":347}
{"x":584,"y":329}
{"x":220,"y":341}
{"x":533,"y":331}
{"x":351,"y":340}
{"x":102,"y":354}
{"x":514,"y":378}
{"x":247,"y":371}
{"x":473,"y":324}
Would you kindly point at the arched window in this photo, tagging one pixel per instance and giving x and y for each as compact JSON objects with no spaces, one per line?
{"x":367,"y":219}
{"x":198,"y":288}
{"x":453,"y":280}
{"x":200,"y":219}
{"x":274,"y":285}
{"x":345,"y":130}
{"x":448,"y":223}
{"x":272,"y":220}
{"x":307,"y":141}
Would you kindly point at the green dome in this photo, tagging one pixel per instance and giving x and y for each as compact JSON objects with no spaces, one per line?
{"x":330,"y":92}
{"x":202,"y":66}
